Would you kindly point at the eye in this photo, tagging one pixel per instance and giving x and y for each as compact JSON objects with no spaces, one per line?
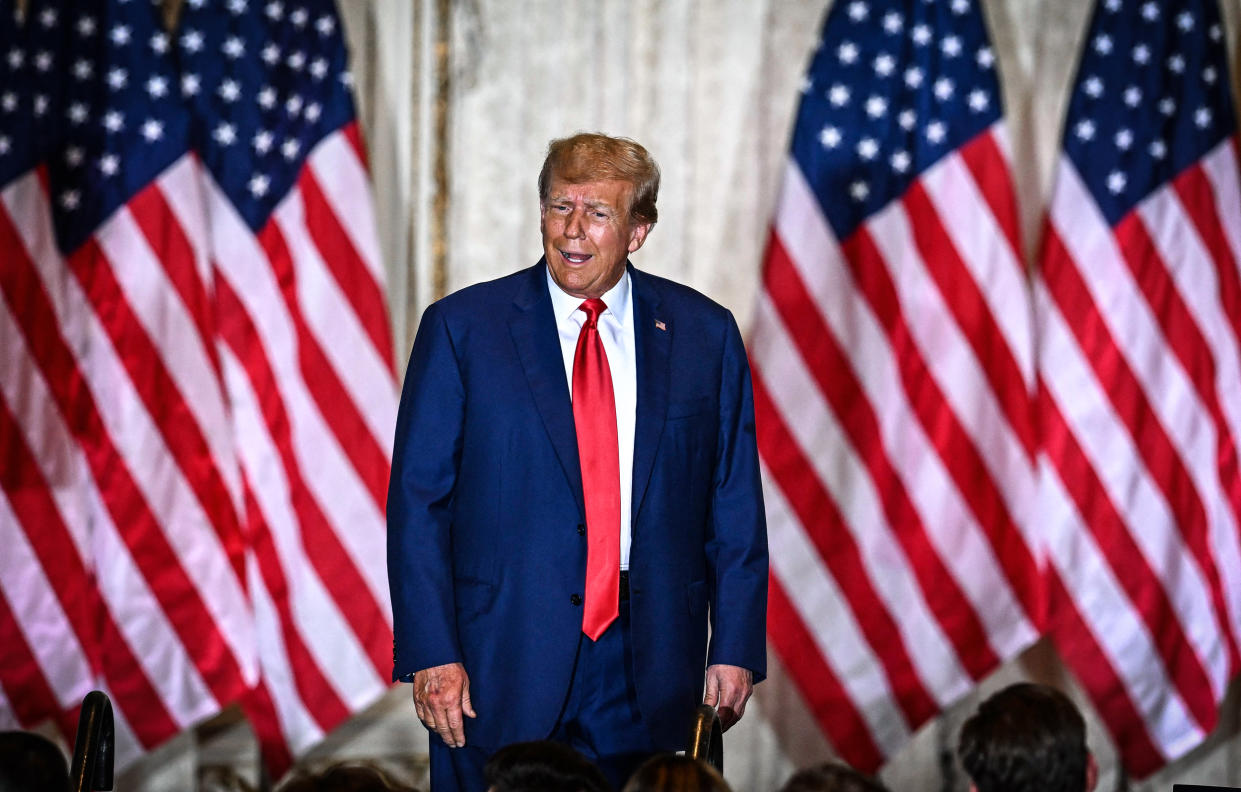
{"x":598,"y":215}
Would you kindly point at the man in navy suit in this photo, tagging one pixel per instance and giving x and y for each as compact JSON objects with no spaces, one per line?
{"x":575,"y":494}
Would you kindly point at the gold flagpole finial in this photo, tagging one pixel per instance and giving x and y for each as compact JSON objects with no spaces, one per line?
{"x":172,"y":14}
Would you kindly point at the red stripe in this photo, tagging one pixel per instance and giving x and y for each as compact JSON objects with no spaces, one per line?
{"x":21,"y":676}
{"x":825,"y":527}
{"x":261,"y":711}
{"x":107,"y":651}
{"x":163,"y":232}
{"x":312,"y":686}
{"x":352,"y":275}
{"x":833,"y":373}
{"x":1122,"y":554}
{"x":1181,"y":333}
{"x":1081,"y":651}
{"x":826,"y":698}
{"x":340,"y":413}
{"x":328,"y":557}
{"x":991,"y":172}
{"x":1125,"y":394}
{"x":964,"y":298}
{"x":131,"y":514}
{"x":353,"y":133}
{"x":956,"y":448}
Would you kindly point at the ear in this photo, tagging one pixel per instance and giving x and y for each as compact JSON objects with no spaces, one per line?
{"x":637,"y":235}
{"x":1092,"y":772}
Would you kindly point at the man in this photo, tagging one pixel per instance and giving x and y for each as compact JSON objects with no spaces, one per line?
{"x":1027,"y":738}
{"x":575,"y":492}
{"x":542,"y":766}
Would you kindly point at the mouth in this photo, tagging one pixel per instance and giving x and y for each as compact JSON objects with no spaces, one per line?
{"x":575,"y":258}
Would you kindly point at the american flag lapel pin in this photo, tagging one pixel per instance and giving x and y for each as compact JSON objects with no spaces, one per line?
{"x":660,"y":325}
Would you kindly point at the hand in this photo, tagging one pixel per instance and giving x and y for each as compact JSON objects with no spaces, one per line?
{"x":728,"y":689}
{"x":441,"y":696}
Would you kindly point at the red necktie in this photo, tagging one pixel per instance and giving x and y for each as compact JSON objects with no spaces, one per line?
{"x":594,"y":415}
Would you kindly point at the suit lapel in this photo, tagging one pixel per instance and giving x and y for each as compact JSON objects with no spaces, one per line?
{"x":653,"y":338}
{"x":533,"y":328}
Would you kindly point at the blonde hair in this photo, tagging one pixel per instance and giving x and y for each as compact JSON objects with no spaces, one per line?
{"x":675,"y":773}
{"x":590,"y":156}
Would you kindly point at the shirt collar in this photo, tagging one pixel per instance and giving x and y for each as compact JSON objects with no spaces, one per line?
{"x":564,"y":306}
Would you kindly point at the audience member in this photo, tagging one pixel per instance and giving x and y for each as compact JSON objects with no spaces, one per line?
{"x":831,"y":777}
{"x":675,"y":773}
{"x":343,"y":777}
{"x":31,"y":763}
{"x":542,"y":766}
{"x":1027,"y":738}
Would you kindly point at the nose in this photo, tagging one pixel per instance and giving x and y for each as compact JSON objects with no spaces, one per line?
{"x":574,"y":227}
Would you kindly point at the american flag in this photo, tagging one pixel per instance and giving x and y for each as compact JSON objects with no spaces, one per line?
{"x":197,"y":390}
{"x":1138,"y":309}
{"x":894,"y":378}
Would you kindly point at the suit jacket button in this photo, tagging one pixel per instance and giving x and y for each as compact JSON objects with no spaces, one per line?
{"x":576,"y":599}
{"x":581,"y":529}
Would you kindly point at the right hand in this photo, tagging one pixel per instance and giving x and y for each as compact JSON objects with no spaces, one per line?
{"x":441,"y":697}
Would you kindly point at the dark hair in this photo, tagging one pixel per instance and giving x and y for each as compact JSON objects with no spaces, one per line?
{"x":1026,"y":738}
{"x":675,"y":773}
{"x":542,"y":766}
{"x":30,"y":762}
{"x":343,"y":777}
{"x":590,"y":156}
{"x":831,"y":777}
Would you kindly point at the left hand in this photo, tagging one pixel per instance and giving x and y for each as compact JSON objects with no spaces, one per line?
{"x":728,"y":689}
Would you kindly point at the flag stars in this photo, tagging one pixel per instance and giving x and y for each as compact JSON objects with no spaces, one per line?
{"x":1141,"y":54}
{"x":70,"y":199}
{"x":225,"y":134}
{"x":1116,"y":182}
{"x":829,"y":137}
{"x":960,"y":7}
{"x":8,"y":101}
{"x":82,"y":69}
{"x":293,"y":106}
{"x":262,"y":141}
{"x":77,"y":113}
{"x":258,"y":185}
{"x":1133,"y":96}
{"x":804,"y":87}
{"x":117,"y":78}
{"x":157,"y":86}
{"x":893,"y":23}
{"x":838,"y":95}
{"x":120,"y":35}
{"x":1150,"y":11}
{"x":290,"y":148}
{"x":74,"y":156}
{"x":1112,"y":5}
{"x":299,"y":18}
{"x":233,"y":47}
{"x":985,"y":58}
{"x":159,"y":43}
{"x":1103,"y":44}
{"x":1084,"y":130}
{"x":48,"y":18}
{"x":86,"y":26}
{"x":43,"y":60}
{"x":1177,"y":63}
{"x":943,"y":89}
{"x":950,"y":46}
{"x":921,"y":35}
{"x":1157,"y":149}
{"x":1209,"y":75}
{"x":192,"y":41}
{"x":1124,"y":139}
{"x":271,"y":54}
{"x":16,"y":58}
{"x":900,"y":161}
{"x":1185,"y":21}
{"x":274,"y":11}
{"x":1215,"y":32}
{"x":936,"y":131}
{"x":978,"y":100}
{"x":858,"y":11}
{"x":1202,"y":117}
{"x":109,"y":164}
{"x":913,"y":77}
{"x":859,"y":191}
{"x":151,"y":130}
{"x":229,"y":90}
{"x":267,"y":97}
{"x":867,"y":148}
{"x":1167,"y":106}
{"x":847,"y":53}
{"x":190,"y":84}
{"x":907,"y":119}
{"x":313,"y":111}
{"x":318,"y":70}
{"x":1093,"y":87}
{"x":113,"y":121}
{"x":237,"y":7}
{"x":325,"y":25}
{"x":4,"y":145}
{"x":40,"y":104}
{"x":297,"y":61}
{"x":884,"y":64}
{"x":876,"y":106}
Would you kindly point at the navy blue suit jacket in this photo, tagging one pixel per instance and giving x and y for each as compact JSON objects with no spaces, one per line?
{"x":485,"y":547}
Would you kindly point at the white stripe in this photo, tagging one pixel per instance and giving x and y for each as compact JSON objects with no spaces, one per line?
{"x":824,"y":611}
{"x":1110,"y":448}
{"x":182,"y":187}
{"x":327,"y":635}
{"x":951,"y":362}
{"x":829,"y":453}
{"x":947,"y":519}
{"x":182,"y":350}
{"x":38,"y":613}
{"x":1117,"y":629}
{"x":299,"y":729}
{"x":325,"y":468}
{"x":128,"y":748}
{"x":1221,"y":169}
{"x":138,"y":440}
{"x":339,"y":332}
{"x":347,"y":189}
{"x":985,"y":250}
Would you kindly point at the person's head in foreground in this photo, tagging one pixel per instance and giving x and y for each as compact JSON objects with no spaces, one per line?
{"x":1027,"y":738}
{"x":31,"y":762}
{"x":831,"y":777}
{"x":597,"y":204}
{"x":343,"y":777}
{"x":675,"y":773}
{"x":542,"y":766}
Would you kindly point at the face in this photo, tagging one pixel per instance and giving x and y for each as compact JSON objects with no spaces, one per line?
{"x":587,"y":234}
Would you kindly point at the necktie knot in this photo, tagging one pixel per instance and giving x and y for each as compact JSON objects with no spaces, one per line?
{"x":593,"y":308}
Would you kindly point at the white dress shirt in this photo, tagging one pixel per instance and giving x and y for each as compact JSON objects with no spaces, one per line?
{"x":616,"y":332}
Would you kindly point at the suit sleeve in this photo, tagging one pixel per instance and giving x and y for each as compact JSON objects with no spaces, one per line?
{"x":425,"y":460}
{"x":737,"y":548}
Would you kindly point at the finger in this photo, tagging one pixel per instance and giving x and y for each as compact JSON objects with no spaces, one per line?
{"x":712,"y":696}
{"x":456,"y":728}
{"x":466,"y":706}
